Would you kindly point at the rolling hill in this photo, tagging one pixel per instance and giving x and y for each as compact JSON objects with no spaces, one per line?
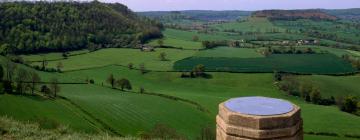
{"x":28,"y":27}
{"x":294,"y":14}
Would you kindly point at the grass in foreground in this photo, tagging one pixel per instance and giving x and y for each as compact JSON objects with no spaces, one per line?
{"x":35,"y":108}
{"x":11,"y":129}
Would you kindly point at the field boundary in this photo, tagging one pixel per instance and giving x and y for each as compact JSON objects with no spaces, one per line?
{"x":217,"y":71}
{"x":170,"y":97}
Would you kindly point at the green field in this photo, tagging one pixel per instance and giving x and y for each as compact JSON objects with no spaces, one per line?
{"x":51,"y":56}
{"x":229,"y":52}
{"x":188,"y":35}
{"x":123,"y":57}
{"x":335,"y":86}
{"x":303,"y":63}
{"x":130,"y":113}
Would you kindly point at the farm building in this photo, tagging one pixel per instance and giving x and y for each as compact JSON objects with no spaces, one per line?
{"x":258,"y":118}
{"x":147,"y":48}
{"x":307,"y":42}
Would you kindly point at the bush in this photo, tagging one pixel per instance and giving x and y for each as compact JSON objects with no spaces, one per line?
{"x":8,"y":87}
{"x":348,"y":104}
{"x":142,"y":90}
{"x":46,"y":90}
{"x":352,"y":136}
{"x":45,"y":123}
{"x":92,"y":81}
{"x":161,"y":131}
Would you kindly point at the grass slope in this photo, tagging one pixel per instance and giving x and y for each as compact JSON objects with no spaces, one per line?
{"x":335,"y":86}
{"x":130,"y":113}
{"x":36,"y":108}
{"x":11,"y":129}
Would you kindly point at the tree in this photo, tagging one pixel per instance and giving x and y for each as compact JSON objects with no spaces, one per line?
{"x":59,"y":66}
{"x":44,"y":63}
{"x":349,"y":104}
{"x":195,"y":38}
{"x":305,"y":91}
{"x":111,"y":80}
{"x":35,"y":79}
{"x":21,"y":80}
{"x":10,"y":68}
{"x":131,"y":66}
{"x":124,"y":84}
{"x":278,"y":76}
{"x":199,"y":70}
{"x":54,"y":86}
{"x":206,"y":44}
{"x":142,"y":68}
{"x":1,"y":73}
{"x":142,"y":90}
{"x":160,"y":42}
{"x":315,"y":96}
{"x":162,"y":56}
{"x":234,"y":44}
{"x":45,"y":90}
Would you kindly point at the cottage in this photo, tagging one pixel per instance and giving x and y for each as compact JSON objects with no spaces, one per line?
{"x":307,"y":42}
{"x":285,"y":42}
{"x":147,"y":48}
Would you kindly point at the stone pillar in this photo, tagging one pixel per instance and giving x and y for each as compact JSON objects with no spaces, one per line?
{"x":258,"y":118}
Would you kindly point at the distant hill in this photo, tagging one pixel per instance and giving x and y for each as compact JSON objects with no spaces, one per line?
{"x":294,"y":14}
{"x":28,"y":27}
{"x":349,"y":14}
{"x":202,"y":15}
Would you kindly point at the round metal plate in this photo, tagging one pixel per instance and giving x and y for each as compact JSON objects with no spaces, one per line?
{"x":260,"y":106}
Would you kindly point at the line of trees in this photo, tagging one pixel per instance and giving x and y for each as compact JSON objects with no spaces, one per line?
{"x":122,"y":83}
{"x":352,"y":60}
{"x":197,"y":71}
{"x":21,"y":81}
{"x":287,"y":50}
{"x":213,"y":44}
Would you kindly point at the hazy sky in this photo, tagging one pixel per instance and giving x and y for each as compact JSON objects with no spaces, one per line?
{"x":166,"y":5}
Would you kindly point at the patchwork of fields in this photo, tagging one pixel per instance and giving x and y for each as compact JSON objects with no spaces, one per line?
{"x":187,"y":104}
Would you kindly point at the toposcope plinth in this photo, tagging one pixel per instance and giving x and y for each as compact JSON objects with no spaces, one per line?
{"x":259,"y":118}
